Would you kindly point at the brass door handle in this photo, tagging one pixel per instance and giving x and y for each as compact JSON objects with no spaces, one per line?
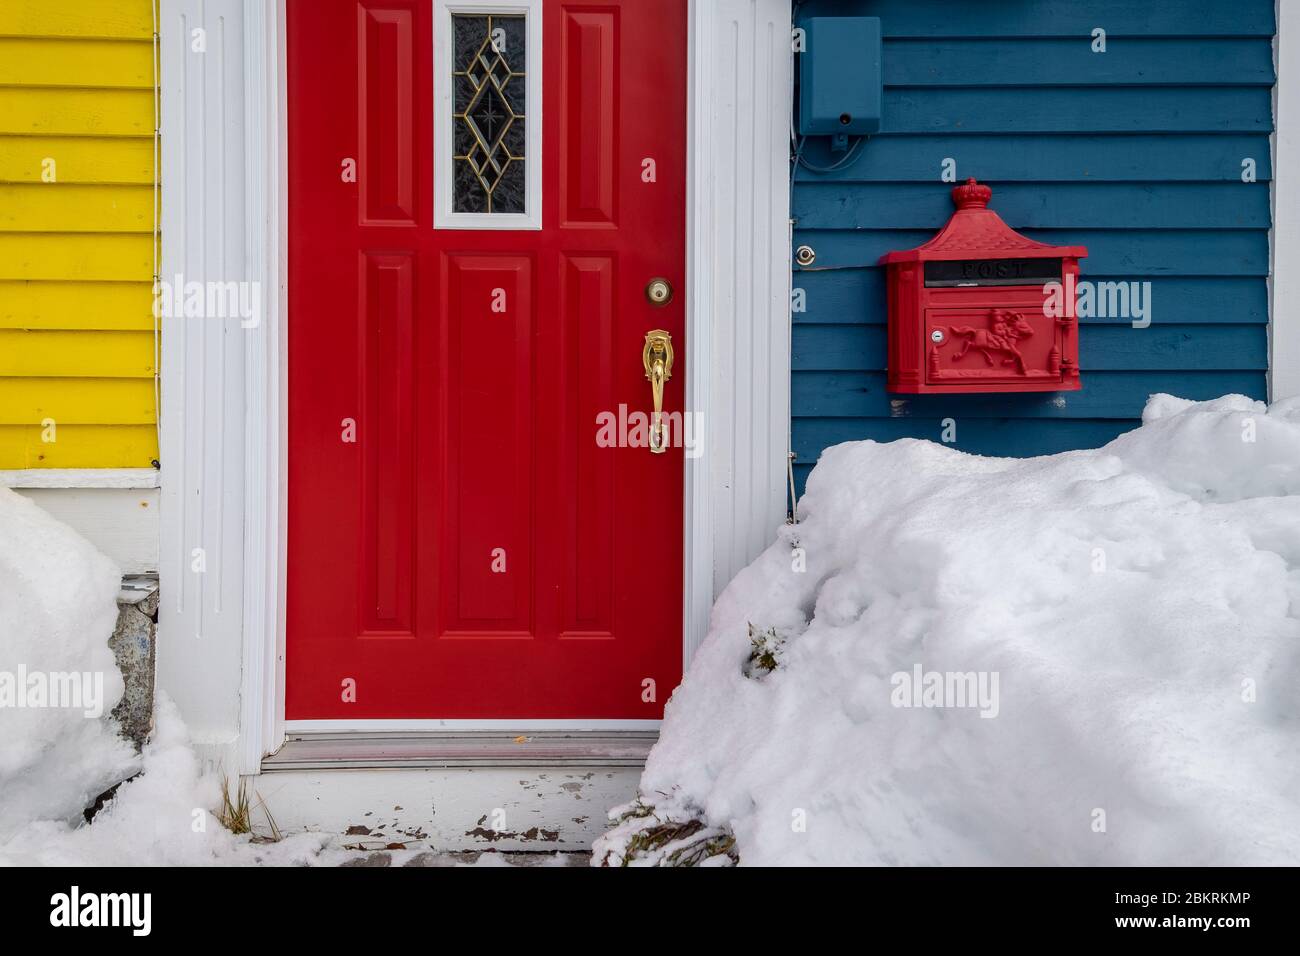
{"x":657,"y":357}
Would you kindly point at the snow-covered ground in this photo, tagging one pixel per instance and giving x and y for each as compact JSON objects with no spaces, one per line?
{"x":1087,"y":658}
{"x":57,"y":610}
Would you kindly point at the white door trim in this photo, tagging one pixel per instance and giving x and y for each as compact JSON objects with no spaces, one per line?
{"x":224,"y":410}
{"x":1284,"y":271}
{"x":266,"y":526}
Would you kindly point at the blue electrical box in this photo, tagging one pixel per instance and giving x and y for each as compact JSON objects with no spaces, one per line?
{"x":841,"y":80}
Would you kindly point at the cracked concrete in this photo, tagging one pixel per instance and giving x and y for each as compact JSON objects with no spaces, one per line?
{"x":133,"y":644}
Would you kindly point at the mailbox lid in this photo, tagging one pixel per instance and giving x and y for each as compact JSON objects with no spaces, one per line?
{"x":975,"y":232}
{"x":1019,"y":349}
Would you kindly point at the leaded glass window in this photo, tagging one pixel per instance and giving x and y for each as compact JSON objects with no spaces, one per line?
{"x":489,"y":105}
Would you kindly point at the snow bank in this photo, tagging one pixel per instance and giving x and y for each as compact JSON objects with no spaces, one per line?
{"x":1124,"y":624}
{"x":57,"y":609}
{"x":162,"y":817}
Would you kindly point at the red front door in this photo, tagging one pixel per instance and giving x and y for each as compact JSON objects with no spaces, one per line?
{"x":471,"y":533}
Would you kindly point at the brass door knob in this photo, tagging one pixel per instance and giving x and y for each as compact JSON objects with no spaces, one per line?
{"x":658,"y":292}
{"x":657,"y":357}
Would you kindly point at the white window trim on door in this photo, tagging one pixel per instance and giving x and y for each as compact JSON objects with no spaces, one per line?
{"x":443,"y":215}
{"x":224,"y":434}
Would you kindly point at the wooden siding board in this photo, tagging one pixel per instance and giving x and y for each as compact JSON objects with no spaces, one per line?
{"x":79,"y":446}
{"x":76,"y":354}
{"x":1058,"y":18}
{"x":78,"y":401}
{"x":1142,"y":61}
{"x":1234,"y":109}
{"x":101,"y":64}
{"x":42,"y":111}
{"x":121,"y":522}
{"x":1051,"y":158}
{"x":79,"y":159}
{"x":1148,"y":252}
{"x":110,"y":306}
{"x":112,"y":19}
{"x":833,"y":394}
{"x":1136,"y":153}
{"x":858,"y":295}
{"x":1152,"y":205}
{"x":61,"y":207}
{"x":112,"y":257}
{"x":977,"y":436}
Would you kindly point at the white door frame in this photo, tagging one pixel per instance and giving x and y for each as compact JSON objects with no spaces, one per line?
{"x":1284,"y":234}
{"x":737,"y":357}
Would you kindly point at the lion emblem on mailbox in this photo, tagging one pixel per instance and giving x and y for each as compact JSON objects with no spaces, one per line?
{"x":1005,"y":329}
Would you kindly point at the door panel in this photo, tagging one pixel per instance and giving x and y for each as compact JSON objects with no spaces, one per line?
{"x":491,"y":401}
{"x":386,"y":323}
{"x":460,"y":544}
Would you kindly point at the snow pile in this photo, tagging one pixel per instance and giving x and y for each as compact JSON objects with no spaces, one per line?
{"x":160,"y":818}
{"x":1087,"y":658}
{"x":57,"y":610}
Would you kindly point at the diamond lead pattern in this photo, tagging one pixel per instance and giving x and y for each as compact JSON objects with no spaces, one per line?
{"x":489,"y":156}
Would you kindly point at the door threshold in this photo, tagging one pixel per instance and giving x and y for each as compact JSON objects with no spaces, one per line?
{"x":467,"y":749}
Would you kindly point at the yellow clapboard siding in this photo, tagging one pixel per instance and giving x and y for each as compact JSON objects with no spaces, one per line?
{"x":80,"y":159}
{"x":77,"y":250}
{"x":119,"y":19}
{"x":74,"y":354}
{"x":110,"y":306}
{"x":80,"y":401}
{"x":88,"y":63}
{"x":110,"y":257}
{"x":79,"y":446}
{"x":66,"y":208}
{"x":39,"y":112}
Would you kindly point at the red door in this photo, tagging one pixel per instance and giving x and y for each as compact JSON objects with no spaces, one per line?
{"x":465,"y":541}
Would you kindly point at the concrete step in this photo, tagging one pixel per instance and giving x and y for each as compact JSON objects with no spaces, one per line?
{"x":448,"y":792}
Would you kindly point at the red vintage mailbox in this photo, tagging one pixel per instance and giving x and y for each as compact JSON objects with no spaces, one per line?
{"x":968,"y":310}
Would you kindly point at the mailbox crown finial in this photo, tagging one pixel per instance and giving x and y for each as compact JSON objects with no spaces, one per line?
{"x":971,"y":195}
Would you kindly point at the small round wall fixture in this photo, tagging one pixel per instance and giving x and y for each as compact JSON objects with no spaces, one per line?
{"x":805,"y":255}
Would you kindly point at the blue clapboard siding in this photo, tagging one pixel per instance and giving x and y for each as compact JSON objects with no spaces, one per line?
{"x":1054,"y":157}
{"x":923,"y":19}
{"x":1064,"y":206}
{"x":1136,"y":153}
{"x":1146,"y":252}
{"x":847,"y":394}
{"x":1067,"y":62}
